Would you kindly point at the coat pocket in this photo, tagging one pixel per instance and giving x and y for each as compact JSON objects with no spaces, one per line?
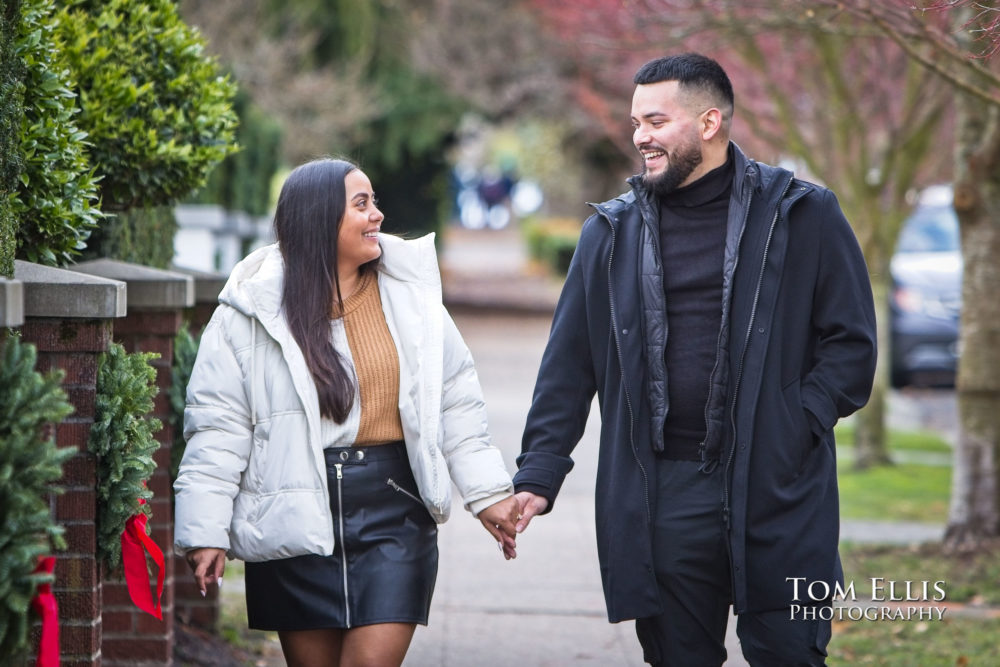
{"x":801,"y":440}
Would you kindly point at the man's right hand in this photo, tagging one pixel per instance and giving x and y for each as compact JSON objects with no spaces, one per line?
{"x":530,"y":504}
{"x":207,"y":564}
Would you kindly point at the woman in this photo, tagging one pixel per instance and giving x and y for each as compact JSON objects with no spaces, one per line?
{"x":330,"y":408}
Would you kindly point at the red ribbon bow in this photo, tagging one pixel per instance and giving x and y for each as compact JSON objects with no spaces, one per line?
{"x":135,"y":542}
{"x":44,"y":604}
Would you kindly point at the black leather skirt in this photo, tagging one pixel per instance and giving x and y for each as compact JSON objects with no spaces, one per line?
{"x":385,"y":556}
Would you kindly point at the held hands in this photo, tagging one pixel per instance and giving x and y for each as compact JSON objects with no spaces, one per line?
{"x":505,"y":519}
{"x":207,"y":564}
{"x":499,"y":520}
{"x":530,"y":504}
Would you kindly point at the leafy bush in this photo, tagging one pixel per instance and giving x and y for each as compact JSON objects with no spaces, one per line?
{"x":56,"y":200}
{"x":552,"y":241}
{"x":11,"y":112}
{"x":29,"y":464}
{"x":122,"y":438}
{"x":141,"y":236}
{"x":156,"y":109}
{"x":185,"y":351}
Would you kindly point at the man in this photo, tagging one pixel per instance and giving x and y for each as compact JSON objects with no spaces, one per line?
{"x":722,"y":312}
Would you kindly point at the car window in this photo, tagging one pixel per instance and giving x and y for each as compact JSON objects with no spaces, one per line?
{"x":930,"y":230}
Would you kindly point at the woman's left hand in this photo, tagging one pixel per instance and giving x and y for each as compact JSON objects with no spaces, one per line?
{"x":500,"y":520}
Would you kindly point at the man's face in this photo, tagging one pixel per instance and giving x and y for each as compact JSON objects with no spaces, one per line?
{"x":667,"y":136}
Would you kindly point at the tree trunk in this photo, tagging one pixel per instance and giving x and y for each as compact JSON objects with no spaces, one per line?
{"x":975,"y":498}
{"x":870,"y":446}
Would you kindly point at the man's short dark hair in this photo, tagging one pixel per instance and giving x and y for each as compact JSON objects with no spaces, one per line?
{"x":692,"y":71}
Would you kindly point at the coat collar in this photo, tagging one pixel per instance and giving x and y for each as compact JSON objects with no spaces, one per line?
{"x":256,"y":283}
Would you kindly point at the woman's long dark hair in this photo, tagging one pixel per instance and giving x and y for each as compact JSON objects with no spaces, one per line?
{"x":307,"y":222}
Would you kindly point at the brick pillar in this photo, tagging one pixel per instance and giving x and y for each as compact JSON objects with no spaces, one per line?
{"x":68,"y":317}
{"x":156,"y":301}
{"x":190,"y":607}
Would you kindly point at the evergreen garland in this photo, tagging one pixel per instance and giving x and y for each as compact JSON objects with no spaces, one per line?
{"x":185,"y":351}
{"x":122,"y":438}
{"x":29,"y":464}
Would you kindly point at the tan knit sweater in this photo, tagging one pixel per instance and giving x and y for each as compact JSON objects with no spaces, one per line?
{"x":376,"y":365}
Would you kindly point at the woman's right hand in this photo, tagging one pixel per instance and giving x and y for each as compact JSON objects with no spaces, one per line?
{"x":208,"y":564}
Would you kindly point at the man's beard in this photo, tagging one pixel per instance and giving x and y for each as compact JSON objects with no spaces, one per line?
{"x":679,"y":167}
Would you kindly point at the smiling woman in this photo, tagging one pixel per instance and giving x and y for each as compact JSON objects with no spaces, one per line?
{"x":357,"y":242}
{"x":331,"y":489}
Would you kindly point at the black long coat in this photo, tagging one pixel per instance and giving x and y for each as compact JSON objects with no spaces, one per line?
{"x":797,"y":351}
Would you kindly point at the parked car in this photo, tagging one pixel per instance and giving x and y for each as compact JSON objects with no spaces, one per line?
{"x":927,"y":294}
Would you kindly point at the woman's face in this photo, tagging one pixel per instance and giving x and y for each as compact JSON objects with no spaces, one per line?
{"x":357,"y":241}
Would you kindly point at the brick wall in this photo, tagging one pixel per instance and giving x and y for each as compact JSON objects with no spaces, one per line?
{"x":74,"y":345}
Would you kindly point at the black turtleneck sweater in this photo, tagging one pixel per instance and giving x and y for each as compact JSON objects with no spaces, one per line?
{"x":692,"y":244}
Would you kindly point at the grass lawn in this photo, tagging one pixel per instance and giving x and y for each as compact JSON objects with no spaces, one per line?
{"x":944,"y":643}
{"x":901,"y":492}
{"x":913,"y":492}
{"x":923,"y":441}
{"x":969,"y":580}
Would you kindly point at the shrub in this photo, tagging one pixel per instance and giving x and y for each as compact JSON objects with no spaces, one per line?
{"x":11,"y":112}
{"x":29,"y":464}
{"x":141,"y":236}
{"x":185,"y":352}
{"x":56,"y":199}
{"x":552,"y":241}
{"x":122,"y":438}
{"x":157,"y":110}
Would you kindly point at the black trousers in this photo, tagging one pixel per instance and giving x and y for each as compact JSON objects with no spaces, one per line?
{"x":692,"y":572}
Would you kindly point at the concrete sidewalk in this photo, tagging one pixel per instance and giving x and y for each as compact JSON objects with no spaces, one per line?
{"x":545,"y":608}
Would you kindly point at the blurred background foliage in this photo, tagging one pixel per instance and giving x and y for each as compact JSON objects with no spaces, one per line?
{"x":388,"y":84}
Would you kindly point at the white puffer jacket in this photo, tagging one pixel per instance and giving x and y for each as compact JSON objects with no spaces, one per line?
{"x":253,"y":477}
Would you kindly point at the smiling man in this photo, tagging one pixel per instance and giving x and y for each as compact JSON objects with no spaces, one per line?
{"x":722,"y":312}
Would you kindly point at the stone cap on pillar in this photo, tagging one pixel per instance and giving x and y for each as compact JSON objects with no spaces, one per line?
{"x":148,"y":288}
{"x":11,"y":303}
{"x":207,"y":285}
{"x":52,"y":292}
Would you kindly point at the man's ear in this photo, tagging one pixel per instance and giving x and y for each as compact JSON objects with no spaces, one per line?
{"x":711,"y":123}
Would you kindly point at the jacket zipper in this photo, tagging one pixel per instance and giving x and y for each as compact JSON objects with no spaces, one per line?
{"x":396,"y":486}
{"x":706,"y":467}
{"x":343,"y":545}
{"x":621,"y":366}
{"x":743,"y":352}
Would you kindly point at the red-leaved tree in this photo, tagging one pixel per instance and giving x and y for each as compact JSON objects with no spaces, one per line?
{"x":817,"y":88}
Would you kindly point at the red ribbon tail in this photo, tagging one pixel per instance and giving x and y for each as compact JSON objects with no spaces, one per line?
{"x":135,"y":542}
{"x":44,"y":604}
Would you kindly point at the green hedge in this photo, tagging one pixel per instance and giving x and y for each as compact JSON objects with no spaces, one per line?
{"x":11,"y":112}
{"x":185,"y":352}
{"x":141,"y":236}
{"x":157,"y":110}
{"x":56,"y":200}
{"x":29,"y":464}
{"x":552,"y":241}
